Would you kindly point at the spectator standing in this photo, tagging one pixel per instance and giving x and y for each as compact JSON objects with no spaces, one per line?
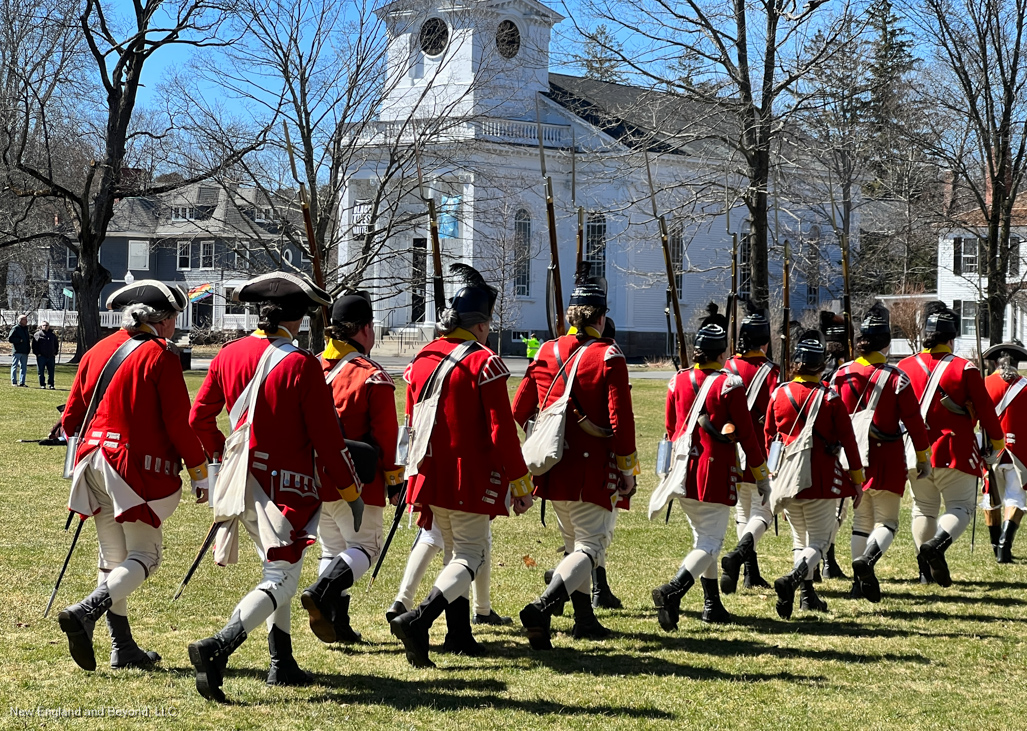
{"x":44,"y":345}
{"x":20,"y":339}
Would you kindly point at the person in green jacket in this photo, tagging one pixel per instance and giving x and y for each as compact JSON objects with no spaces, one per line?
{"x":531,"y":346}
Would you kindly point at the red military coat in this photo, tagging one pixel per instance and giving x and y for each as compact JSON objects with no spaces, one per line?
{"x":474,"y":453}
{"x":294,"y":417}
{"x":592,"y":465}
{"x":745,"y":367}
{"x":713,"y":467}
{"x":953,"y":442}
{"x":898,"y":403}
{"x":365,"y":402}
{"x":142,"y":423}
{"x":832,"y":429}
{"x":1014,"y":414}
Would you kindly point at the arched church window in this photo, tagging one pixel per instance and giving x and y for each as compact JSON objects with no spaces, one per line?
{"x":522,"y":254}
{"x":434,"y":36}
{"x":508,"y":39}
{"x":595,"y":243}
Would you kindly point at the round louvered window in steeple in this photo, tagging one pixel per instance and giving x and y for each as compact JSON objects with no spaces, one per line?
{"x":433,"y":37}
{"x":508,"y":39}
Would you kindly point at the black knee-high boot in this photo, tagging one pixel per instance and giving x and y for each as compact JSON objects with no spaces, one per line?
{"x":535,"y":617}
{"x":284,"y":668}
{"x":78,"y":622}
{"x":667,"y":599}
{"x":412,"y":628}
{"x":125,"y":653}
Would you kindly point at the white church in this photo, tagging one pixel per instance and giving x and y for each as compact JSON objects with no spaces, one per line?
{"x":468,"y":84}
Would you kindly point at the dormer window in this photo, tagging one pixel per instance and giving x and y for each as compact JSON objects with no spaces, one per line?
{"x":183,"y":213}
{"x":263,"y":215}
{"x":508,"y":39}
{"x":434,"y":37}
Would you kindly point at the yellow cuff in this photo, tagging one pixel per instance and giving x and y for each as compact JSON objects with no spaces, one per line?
{"x":997,"y":445}
{"x":350,"y":494}
{"x":199,"y":472}
{"x":924,"y":455}
{"x":629,"y":465}
{"x":857,"y":476}
{"x":522,"y":486}
{"x":394,"y":477}
{"x":760,"y":472}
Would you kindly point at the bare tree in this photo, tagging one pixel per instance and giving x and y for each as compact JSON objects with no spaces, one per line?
{"x":117,"y":52}
{"x":979,"y":128}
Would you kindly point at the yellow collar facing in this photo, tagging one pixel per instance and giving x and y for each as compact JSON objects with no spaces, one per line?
{"x":804,"y":378}
{"x":711,"y":366}
{"x":589,"y":330}
{"x":754,"y":354}
{"x":874,"y":358}
{"x":147,"y":327}
{"x":938,"y":349}
{"x":281,"y":332}
{"x":337,"y":349}
{"x":460,"y":334}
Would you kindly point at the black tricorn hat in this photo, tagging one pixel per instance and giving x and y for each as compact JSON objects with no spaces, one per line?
{"x":588,"y":290}
{"x":283,"y":287}
{"x":353,"y":307}
{"x":876,"y":321}
{"x":474,"y":301}
{"x":755,"y":325}
{"x":811,"y":349}
{"x":940,"y":319}
{"x":150,"y":292}
{"x":1014,"y":351}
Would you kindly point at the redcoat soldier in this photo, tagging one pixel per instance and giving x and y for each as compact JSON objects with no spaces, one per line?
{"x":364,"y":396}
{"x":292,"y":418}
{"x":811,"y":424}
{"x":882,"y":394}
{"x":599,"y":463}
{"x":710,"y":432}
{"x":1006,"y":389}
{"x":752,"y":515}
{"x":951,"y":392}
{"x":133,"y":439}
{"x":465,"y":459}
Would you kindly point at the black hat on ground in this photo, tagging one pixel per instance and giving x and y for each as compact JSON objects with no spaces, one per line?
{"x":755,"y":326}
{"x":940,"y":319}
{"x":161,"y":297}
{"x":474,"y":302}
{"x":353,"y":307}
{"x":876,"y":321}
{"x":1014,"y":351}
{"x":810,"y":350}
{"x":588,"y":291}
{"x":293,"y":293}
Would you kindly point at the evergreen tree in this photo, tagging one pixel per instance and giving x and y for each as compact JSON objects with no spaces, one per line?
{"x":603,"y":57}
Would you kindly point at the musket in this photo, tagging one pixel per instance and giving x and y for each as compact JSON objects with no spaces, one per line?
{"x":732,"y":297}
{"x":308,"y":223}
{"x":438,"y":288}
{"x":670,"y":330}
{"x":207,"y":543}
{"x":579,"y":254}
{"x":669,"y":263}
{"x":400,"y":507}
{"x":554,"y":288}
{"x":994,"y":503}
{"x":846,"y":297}
{"x":67,"y":560}
{"x":786,"y":314}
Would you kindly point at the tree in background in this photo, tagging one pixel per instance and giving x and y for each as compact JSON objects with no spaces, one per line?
{"x":601,"y":57}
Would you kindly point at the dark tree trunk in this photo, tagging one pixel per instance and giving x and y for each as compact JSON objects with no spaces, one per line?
{"x":88,"y":279}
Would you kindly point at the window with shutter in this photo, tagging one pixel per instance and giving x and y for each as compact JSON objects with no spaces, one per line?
{"x":138,"y":255}
{"x":957,"y":256}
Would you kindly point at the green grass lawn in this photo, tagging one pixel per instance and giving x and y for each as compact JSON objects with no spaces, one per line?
{"x":923,"y":658}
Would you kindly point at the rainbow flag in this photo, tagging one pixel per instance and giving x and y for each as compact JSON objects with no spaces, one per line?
{"x":198,"y":293}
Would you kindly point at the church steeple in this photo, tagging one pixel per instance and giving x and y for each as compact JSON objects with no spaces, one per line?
{"x":468,"y":57}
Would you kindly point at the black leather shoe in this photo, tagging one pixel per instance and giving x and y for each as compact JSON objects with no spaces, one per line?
{"x":209,"y":657}
{"x":78,"y":622}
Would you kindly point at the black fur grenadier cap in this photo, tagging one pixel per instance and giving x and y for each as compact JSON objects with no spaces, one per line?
{"x":755,"y":325}
{"x":876,"y":321}
{"x":151,"y":293}
{"x":940,"y":319}
{"x":474,"y":301}
{"x":588,"y":291}
{"x":352,"y":307}
{"x":833,"y":327}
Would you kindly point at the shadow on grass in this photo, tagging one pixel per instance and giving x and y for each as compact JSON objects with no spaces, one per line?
{"x":452,"y":694}
{"x":976,"y":599}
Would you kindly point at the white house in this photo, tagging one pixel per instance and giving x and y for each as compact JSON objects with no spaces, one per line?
{"x":477,"y":72}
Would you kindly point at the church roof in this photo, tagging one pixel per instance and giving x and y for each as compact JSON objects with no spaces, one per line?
{"x":636,"y":116}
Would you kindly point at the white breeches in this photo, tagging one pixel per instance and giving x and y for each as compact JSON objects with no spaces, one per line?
{"x":709,"y":524}
{"x":590,"y":526}
{"x":959,"y":491}
{"x":359,"y":549}
{"x":128,"y":552}
{"x":751,"y":515}
{"x":875,"y":520}
{"x":1011,"y":492}
{"x":466,"y":537}
{"x":813,"y":524}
